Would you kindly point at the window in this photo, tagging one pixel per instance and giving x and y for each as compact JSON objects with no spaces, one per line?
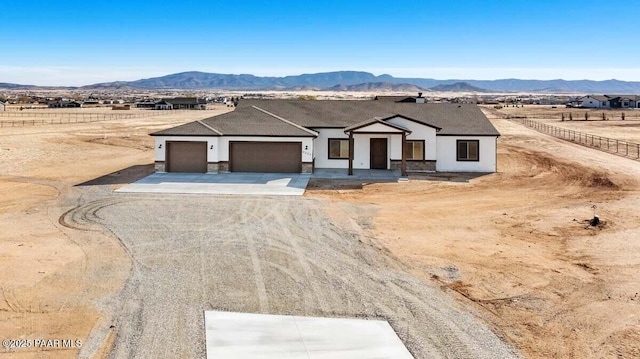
{"x":415,"y":150}
{"x":338,"y":149}
{"x":468,"y":150}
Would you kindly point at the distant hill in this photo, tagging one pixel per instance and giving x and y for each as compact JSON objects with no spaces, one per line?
{"x":377,"y":86}
{"x":457,"y":87}
{"x":203,"y":80}
{"x":193,"y":80}
{"x":5,"y":85}
{"x":10,"y":86}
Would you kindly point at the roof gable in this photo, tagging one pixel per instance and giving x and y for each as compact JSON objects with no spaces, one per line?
{"x":376,"y":125}
{"x":412,"y":120}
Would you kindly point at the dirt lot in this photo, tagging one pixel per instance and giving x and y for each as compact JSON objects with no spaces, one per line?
{"x":515,"y":244}
{"x":614,"y":127}
{"x":506,"y":245}
{"x":262,"y":255}
{"x":48,"y":273}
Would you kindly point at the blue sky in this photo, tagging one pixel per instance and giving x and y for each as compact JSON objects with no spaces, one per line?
{"x":83,"y":42}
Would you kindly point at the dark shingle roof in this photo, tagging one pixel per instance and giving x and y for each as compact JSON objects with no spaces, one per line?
{"x":244,"y":121}
{"x":184,"y":101}
{"x":453,"y":119}
{"x":188,"y":129}
{"x":248,"y":119}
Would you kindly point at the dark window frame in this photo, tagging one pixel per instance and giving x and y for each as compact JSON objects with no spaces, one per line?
{"x":329,"y":148}
{"x":466,"y":159}
{"x":424,"y":152}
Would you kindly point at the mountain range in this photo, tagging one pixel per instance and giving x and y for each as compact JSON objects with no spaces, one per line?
{"x":357,"y":81}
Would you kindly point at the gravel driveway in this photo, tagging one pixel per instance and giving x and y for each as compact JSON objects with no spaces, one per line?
{"x":262,"y":255}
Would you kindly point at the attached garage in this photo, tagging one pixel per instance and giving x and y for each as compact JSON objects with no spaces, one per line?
{"x":186,"y":156}
{"x":283,"y":157}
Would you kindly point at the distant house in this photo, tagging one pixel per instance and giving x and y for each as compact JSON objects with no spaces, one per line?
{"x":90,"y":103}
{"x":402,"y":99}
{"x":624,"y":101}
{"x":181,"y":103}
{"x":594,"y":101}
{"x":607,"y":101}
{"x":146,"y":104}
{"x":64,"y":104}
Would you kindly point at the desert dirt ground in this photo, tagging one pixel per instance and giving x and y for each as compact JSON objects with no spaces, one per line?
{"x":50,"y":276}
{"x":515,"y":244}
{"x":613,"y":127}
{"x":512,"y":246}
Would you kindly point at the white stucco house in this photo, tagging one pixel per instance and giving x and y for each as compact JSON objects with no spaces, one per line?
{"x":299,"y":136}
{"x":595,"y":101}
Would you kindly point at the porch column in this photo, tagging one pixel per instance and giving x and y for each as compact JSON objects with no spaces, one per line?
{"x":403,"y":166}
{"x":350,"y":153}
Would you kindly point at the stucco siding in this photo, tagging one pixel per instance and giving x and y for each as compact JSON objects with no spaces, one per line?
{"x":361,"y":155}
{"x":591,"y":102}
{"x":447,"y":155}
{"x":418,"y":132}
{"x":321,"y":148}
{"x":218,"y":147}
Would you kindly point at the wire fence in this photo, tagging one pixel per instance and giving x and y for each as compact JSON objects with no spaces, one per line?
{"x":589,"y":115}
{"x":611,"y":145}
{"x":29,"y":118}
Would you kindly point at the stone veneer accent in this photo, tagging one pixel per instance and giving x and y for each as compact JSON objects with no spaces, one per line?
{"x":160,"y":166}
{"x":212,"y":167}
{"x":415,"y":166}
{"x":223,"y":167}
{"x":307,"y":167}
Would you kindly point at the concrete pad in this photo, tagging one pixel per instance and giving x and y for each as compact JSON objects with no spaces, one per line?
{"x":268,"y":184}
{"x":263,"y":336}
{"x":358,"y":175}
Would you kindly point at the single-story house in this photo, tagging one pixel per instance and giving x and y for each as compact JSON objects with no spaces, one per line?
{"x":146,"y":104}
{"x":624,"y":101}
{"x":299,"y":136}
{"x":181,"y":103}
{"x":90,"y":103}
{"x":410,"y":99}
{"x":64,"y":104}
{"x":594,"y":101}
{"x":607,"y":101}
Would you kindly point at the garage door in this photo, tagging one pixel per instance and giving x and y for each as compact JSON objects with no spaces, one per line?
{"x":283,"y":157}
{"x":187,"y":157}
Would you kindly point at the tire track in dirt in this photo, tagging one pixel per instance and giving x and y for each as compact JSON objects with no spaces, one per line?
{"x":255,"y":260}
{"x":275,"y":218}
{"x":278,"y":252}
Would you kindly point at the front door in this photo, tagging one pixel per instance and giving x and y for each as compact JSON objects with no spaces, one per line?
{"x":378,"y":154}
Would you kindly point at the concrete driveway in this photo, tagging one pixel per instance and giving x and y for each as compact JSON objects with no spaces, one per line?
{"x":269,"y":184}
